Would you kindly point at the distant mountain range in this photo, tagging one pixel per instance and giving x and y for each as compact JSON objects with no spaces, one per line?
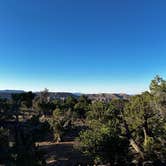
{"x":62,"y":95}
{"x":7,"y":93}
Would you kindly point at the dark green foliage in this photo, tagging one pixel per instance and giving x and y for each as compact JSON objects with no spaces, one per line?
{"x":146,"y":127}
{"x":82,"y":106}
{"x":26,"y":153}
{"x":17,"y":139}
{"x":119,"y":133}
{"x":104,"y":145}
{"x":37,"y":129}
{"x":25,"y":98}
{"x":60,"y":122}
{"x":4,"y":145}
{"x":70,"y":102}
{"x":158,"y":90}
{"x":128,"y":132}
{"x":103,"y":141}
{"x":5,"y":110}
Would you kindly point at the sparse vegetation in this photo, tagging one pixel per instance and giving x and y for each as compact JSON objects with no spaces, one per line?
{"x":119,"y":132}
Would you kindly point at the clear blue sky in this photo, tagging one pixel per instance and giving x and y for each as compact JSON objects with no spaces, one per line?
{"x":82,"y":45}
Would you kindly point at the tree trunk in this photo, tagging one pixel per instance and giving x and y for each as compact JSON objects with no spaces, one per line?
{"x":136,"y":147}
{"x":131,"y":140}
{"x":145,"y":136}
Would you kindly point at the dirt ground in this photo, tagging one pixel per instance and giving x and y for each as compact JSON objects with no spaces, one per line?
{"x":63,"y":153}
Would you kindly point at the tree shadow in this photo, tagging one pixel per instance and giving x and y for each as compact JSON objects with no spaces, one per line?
{"x":63,"y":154}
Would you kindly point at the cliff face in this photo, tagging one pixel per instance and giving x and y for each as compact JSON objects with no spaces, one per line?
{"x":108,"y":96}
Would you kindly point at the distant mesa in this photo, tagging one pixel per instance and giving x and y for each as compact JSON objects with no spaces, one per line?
{"x":12,"y":91}
{"x":63,"y":95}
{"x":7,"y":93}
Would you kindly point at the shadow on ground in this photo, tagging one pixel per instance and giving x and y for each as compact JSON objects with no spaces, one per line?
{"x":63,"y":153}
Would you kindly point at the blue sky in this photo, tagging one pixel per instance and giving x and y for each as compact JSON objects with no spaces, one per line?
{"x":88,"y":46}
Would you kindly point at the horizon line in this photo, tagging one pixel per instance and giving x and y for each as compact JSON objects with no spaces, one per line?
{"x":74,"y":92}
